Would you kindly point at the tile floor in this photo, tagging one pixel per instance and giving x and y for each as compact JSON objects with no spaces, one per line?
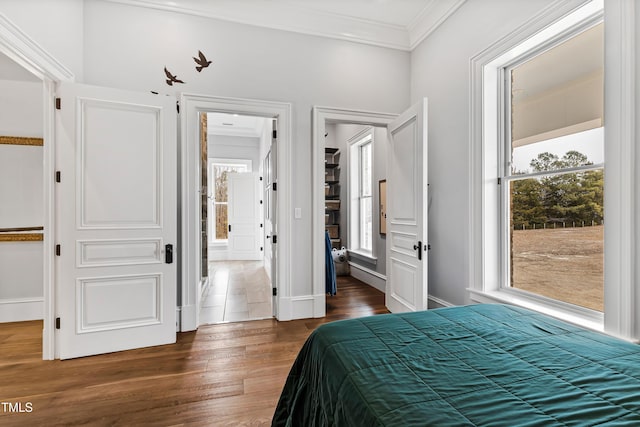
{"x":238,"y":291}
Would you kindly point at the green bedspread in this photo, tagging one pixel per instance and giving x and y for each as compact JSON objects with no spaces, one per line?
{"x":489,"y":365}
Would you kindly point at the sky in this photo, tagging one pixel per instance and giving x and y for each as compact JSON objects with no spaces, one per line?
{"x":590,"y":143}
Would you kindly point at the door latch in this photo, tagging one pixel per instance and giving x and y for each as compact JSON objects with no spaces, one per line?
{"x":418,"y":247}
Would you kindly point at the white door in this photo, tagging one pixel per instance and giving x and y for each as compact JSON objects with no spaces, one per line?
{"x":266,"y":196}
{"x":406,"y":288}
{"x":273,"y":206}
{"x":116,"y":220}
{"x":244,"y":216}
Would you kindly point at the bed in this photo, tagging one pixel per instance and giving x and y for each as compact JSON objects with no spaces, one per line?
{"x":483,"y":364}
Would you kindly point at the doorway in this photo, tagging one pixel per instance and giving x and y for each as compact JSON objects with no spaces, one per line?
{"x":193,"y":287}
{"x":405,"y":282}
{"x":21,"y":190}
{"x":20,"y":48}
{"x":236,"y":222}
{"x":324,"y":119}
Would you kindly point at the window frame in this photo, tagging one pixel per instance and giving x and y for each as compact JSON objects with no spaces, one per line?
{"x":355,"y":192}
{"x":488,"y":142}
{"x":505,"y":152}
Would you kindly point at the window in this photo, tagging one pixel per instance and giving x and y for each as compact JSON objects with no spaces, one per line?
{"x":361,"y":193}
{"x":552,"y":189}
{"x":540,"y":106}
{"x":219,"y":170}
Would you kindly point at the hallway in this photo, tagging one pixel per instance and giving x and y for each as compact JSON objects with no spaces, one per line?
{"x":238,"y":291}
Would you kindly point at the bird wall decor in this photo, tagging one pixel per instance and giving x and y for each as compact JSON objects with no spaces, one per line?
{"x":202,"y":61}
{"x":171,"y":79}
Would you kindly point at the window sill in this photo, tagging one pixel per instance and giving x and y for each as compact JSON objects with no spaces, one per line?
{"x":577,"y":317}
{"x":363,"y":256}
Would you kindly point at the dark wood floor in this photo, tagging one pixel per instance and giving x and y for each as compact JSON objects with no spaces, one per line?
{"x":229,"y":374}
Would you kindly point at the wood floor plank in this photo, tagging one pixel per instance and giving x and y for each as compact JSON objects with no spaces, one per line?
{"x":223,"y":375}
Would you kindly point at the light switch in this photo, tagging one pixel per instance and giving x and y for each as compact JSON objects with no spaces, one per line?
{"x":297,"y":213}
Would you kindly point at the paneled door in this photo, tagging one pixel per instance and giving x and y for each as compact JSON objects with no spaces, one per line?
{"x":267,"y":211}
{"x":272,"y":246}
{"x":244,"y":216}
{"x":406,"y":287}
{"x":116,"y":205}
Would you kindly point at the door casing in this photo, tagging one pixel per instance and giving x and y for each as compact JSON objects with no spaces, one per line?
{"x":191,"y":106}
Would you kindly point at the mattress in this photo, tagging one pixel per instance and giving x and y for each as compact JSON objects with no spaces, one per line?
{"x":485,"y":365}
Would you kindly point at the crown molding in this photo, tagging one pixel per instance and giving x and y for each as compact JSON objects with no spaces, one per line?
{"x":431,"y":17}
{"x":288,"y":16}
{"x":19,"y":47}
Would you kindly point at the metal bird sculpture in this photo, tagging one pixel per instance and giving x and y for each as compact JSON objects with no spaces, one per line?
{"x":202,"y":62}
{"x":171,"y":79}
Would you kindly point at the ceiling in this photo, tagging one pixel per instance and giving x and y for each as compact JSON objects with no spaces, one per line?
{"x":235,"y":125}
{"x":572,"y":61}
{"x":397,"y":24}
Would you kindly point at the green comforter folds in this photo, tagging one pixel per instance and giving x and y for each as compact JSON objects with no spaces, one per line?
{"x":489,"y":365}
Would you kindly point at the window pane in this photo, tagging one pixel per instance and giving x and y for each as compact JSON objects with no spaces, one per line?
{"x":555,"y":94}
{"x":365,"y":162}
{"x":366,"y":224}
{"x":556,"y":237}
{"x":222,"y":222}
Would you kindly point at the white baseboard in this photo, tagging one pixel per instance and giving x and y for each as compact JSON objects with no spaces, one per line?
{"x":435,"y":302}
{"x":368,"y":276}
{"x":301,"y":307}
{"x":21,"y":309}
{"x":188,"y":318}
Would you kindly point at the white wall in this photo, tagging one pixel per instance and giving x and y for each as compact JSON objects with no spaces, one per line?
{"x":248,"y":62}
{"x":440,"y":68}
{"x":21,"y":193}
{"x":235,"y":147}
{"x":55,"y":25}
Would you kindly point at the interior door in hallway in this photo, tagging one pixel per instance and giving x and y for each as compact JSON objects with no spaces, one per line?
{"x":407,"y":284}
{"x":244,"y":216}
{"x":116,"y":222}
{"x":272,"y":245}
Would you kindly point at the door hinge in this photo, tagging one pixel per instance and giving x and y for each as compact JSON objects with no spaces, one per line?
{"x":58,"y":250}
{"x":274,"y":239}
{"x":275,"y":186}
{"x":499,"y":181}
{"x":178,"y":106}
{"x":274,"y":291}
{"x":58,"y":103}
{"x":275,"y":134}
{"x":57,"y":323}
{"x":58,"y":176}
{"x":229,"y":228}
